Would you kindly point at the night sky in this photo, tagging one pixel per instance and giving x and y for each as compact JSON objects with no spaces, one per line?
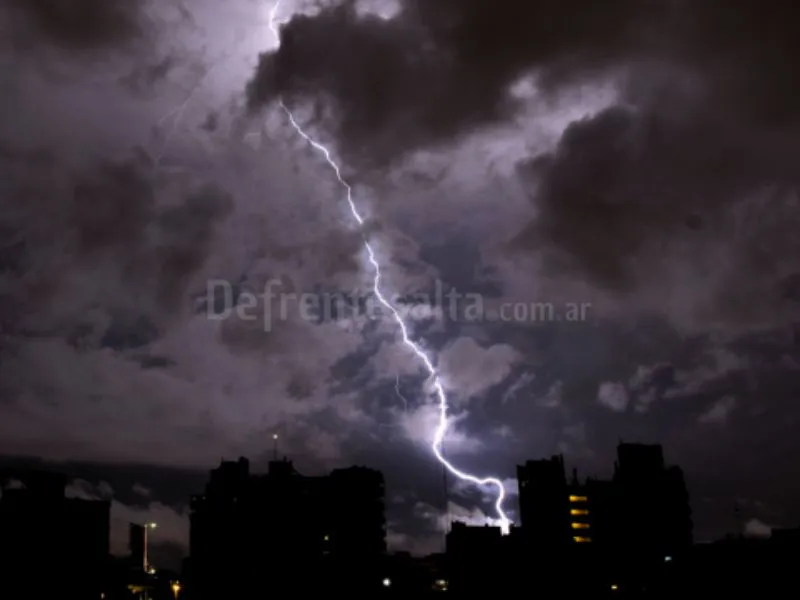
{"x":638,"y":157}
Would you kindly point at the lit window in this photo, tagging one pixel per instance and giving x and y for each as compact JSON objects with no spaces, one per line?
{"x":580,"y":540}
{"x":577,"y":498}
{"x":579,"y":511}
{"x":580,"y":526}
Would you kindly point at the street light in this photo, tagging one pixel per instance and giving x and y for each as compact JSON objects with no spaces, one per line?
{"x":176,"y":588}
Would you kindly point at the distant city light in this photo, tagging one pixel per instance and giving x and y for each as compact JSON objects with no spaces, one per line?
{"x":667,"y":558}
{"x":614,"y":587}
{"x":387,"y":582}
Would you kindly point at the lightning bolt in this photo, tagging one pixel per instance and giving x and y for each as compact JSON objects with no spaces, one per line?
{"x":178,"y":111}
{"x":400,"y":394}
{"x":441,"y":429}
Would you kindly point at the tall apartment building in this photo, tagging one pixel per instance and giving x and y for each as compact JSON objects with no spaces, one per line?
{"x":543,"y":502}
{"x":643,"y":509}
{"x":50,"y":545}
{"x":654,"y":512}
{"x":282,"y":531}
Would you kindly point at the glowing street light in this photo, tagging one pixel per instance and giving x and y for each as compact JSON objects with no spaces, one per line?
{"x":176,"y":588}
{"x":387,"y":582}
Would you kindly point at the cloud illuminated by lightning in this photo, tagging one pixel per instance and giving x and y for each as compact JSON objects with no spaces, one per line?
{"x":177,"y":112}
{"x":433,"y":374}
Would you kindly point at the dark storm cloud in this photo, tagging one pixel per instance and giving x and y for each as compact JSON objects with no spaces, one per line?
{"x":187,"y":233}
{"x":685,"y":196}
{"x":690,"y":183}
{"x":625,"y":185}
{"x":62,"y":222}
{"x":111,"y":208}
{"x":78,"y":24}
{"x":438,"y":69}
{"x":679,"y":202}
{"x":443,"y":68}
{"x":144,"y":77}
{"x":129,"y":331}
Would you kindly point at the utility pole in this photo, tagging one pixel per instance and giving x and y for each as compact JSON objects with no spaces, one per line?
{"x":147,"y":528}
{"x":146,"y":562}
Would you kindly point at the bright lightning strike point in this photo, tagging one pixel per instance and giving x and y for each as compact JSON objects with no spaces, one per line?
{"x":441,"y":429}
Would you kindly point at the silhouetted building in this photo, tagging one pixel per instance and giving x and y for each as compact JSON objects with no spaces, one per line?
{"x":786,"y":536}
{"x":555,"y":513}
{"x":755,"y":568}
{"x":408,"y":576}
{"x":475,"y":557}
{"x":50,"y":545}
{"x":603,"y":511}
{"x":644,"y":507}
{"x":284,"y":532}
{"x":614,"y":531}
{"x":354,"y":527}
{"x":543,"y":503}
{"x":137,"y":539}
{"x":655,"y":515}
